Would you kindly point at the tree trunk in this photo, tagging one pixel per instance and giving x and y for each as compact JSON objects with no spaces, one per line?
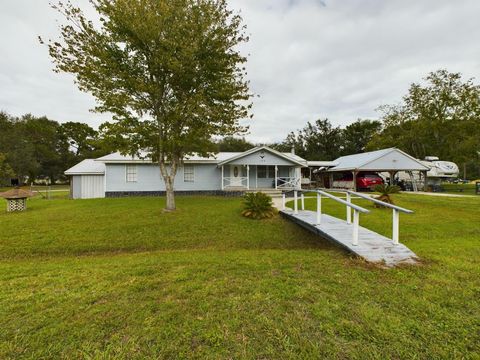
{"x":170,"y":193}
{"x":169,"y":179}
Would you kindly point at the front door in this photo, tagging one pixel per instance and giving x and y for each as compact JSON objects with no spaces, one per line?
{"x":235,"y":175}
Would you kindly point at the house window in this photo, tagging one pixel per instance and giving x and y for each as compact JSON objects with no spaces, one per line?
{"x":266,"y":172}
{"x":188,"y":173}
{"x":131,"y":173}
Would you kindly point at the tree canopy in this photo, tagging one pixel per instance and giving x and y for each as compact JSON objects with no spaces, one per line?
{"x":233,"y":144}
{"x":37,"y":147}
{"x":323,"y":141}
{"x":440,"y":117}
{"x":168,"y":70}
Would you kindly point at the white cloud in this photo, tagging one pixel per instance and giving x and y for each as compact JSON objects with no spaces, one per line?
{"x":308,"y":58}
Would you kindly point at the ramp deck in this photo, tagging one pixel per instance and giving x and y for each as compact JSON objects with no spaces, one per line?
{"x":372,"y":246}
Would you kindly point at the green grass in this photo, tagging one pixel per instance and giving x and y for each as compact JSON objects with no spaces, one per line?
{"x":119,"y":278}
{"x":468,"y":189}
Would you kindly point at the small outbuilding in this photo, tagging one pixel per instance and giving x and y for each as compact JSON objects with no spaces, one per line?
{"x":87,"y":180}
{"x":16,"y":199}
{"x":390,"y":160}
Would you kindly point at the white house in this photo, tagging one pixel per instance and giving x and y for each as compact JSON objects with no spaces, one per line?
{"x":117,"y":175}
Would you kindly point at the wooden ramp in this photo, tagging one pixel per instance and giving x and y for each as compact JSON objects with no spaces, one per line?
{"x":371,"y":246}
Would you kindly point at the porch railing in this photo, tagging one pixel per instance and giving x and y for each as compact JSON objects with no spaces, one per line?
{"x":241,"y":181}
{"x":288,"y":183}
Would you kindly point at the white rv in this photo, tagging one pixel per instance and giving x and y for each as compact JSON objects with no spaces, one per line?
{"x":438,"y":170}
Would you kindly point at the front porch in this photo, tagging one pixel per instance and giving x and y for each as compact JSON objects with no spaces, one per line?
{"x":260,"y":177}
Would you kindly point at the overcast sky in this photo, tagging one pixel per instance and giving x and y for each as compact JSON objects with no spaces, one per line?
{"x":309,"y":59}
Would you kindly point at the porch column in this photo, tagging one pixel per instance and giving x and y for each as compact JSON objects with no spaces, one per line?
{"x":276,"y":171}
{"x":392,"y":177}
{"x":425,"y":181}
{"x":354,"y":177}
{"x":222,"y":178}
{"x":248,"y":177}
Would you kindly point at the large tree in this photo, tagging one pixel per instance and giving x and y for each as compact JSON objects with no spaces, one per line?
{"x":316,"y":141}
{"x":169,"y":71}
{"x":358,"y":134}
{"x":19,"y":151}
{"x":234,"y":144}
{"x":50,"y":148}
{"x":6,"y":172}
{"x":80,"y":137}
{"x":439,"y":117}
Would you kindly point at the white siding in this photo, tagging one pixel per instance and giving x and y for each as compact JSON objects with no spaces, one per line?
{"x":76,"y":186}
{"x":92,"y":186}
{"x":207,"y":177}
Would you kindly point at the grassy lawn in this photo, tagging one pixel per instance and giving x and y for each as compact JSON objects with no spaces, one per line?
{"x":468,"y":189}
{"x":118,"y":278}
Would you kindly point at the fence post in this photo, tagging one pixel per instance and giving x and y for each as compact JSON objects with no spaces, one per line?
{"x":395,"y":225}
{"x":319,"y":208}
{"x":283,"y":201}
{"x":295,"y":205}
{"x":349,"y":210}
{"x":356,"y":227}
{"x":302,"y":197}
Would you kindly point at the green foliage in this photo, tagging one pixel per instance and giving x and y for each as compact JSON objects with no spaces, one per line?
{"x":37,"y":147}
{"x":207,"y":283}
{"x":385,"y":191}
{"x":317,"y":141}
{"x":440,"y":117}
{"x":234,"y":144}
{"x":459,"y":188}
{"x":323,"y":141}
{"x":258,"y":206}
{"x":357,"y":135}
{"x":81,"y":138}
{"x":6,"y":172}
{"x":169,"y":71}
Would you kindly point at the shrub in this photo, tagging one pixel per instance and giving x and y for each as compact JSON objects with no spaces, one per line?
{"x":258,"y":206}
{"x":385,"y":192}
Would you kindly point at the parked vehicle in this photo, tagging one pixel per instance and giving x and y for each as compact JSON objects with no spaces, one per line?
{"x":365,"y":181}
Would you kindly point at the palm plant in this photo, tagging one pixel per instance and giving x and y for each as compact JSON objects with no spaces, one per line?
{"x":258,"y":206}
{"x":386,"y":191}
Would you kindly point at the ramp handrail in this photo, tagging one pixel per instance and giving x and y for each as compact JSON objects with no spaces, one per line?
{"x":395,"y":211}
{"x":356,"y":209}
{"x":379,"y":202}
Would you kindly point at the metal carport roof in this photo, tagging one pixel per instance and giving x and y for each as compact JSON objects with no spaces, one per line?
{"x":391,"y":159}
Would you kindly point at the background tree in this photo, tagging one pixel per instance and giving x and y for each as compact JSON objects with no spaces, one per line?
{"x":357,"y":135}
{"x":6,"y":172}
{"x":234,"y":144}
{"x":80,"y":137}
{"x":50,"y":148}
{"x":37,"y":147}
{"x":440,"y":117}
{"x":19,"y":152}
{"x":169,"y":71}
{"x":317,"y":141}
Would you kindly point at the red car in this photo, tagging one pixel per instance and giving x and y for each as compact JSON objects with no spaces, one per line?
{"x":365,"y":181}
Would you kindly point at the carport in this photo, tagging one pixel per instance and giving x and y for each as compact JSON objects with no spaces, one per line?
{"x":389,"y":160}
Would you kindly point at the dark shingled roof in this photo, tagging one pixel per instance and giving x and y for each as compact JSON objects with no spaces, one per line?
{"x":16,"y":194}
